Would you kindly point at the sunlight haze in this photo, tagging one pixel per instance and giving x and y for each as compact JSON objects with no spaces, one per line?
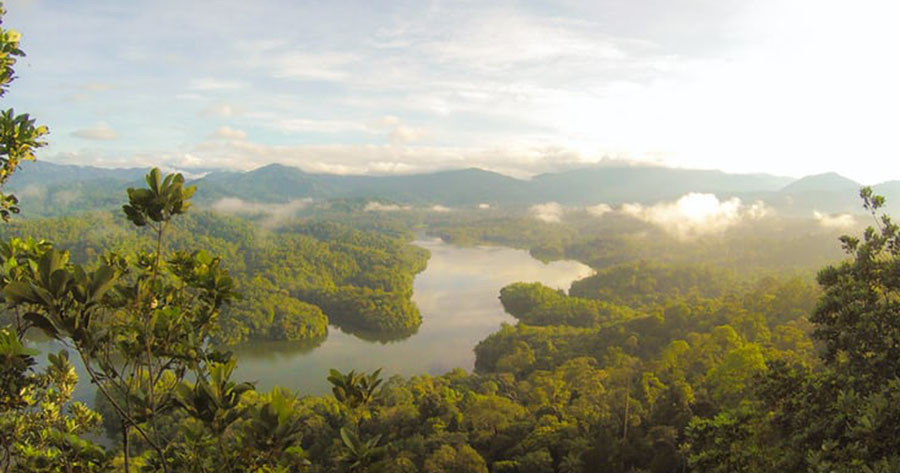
{"x":787,"y":87}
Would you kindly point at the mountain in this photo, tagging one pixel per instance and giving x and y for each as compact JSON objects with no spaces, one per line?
{"x":828,"y":182}
{"x":647,"y":184}
{"x":828,"y":193}
{"x":272,"y":183}
{"x":277,"y":182}
{"x":45,"y":173}
{"x":54,"y":189}
{"x":592,"y":185}
{"x":891,"y":192}
{"x":49,"y":189}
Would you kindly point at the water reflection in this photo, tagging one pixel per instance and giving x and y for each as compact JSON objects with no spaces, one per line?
{"x":458,"y":298}
{"x":378,"y":337}
{"x":457,"y":295}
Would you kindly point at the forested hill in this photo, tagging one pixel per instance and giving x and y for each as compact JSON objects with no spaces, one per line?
{"x":295,"y":280}
{"x":51,"y":189}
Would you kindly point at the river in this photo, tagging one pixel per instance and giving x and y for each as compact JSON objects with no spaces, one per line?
{"x":457,"y":295}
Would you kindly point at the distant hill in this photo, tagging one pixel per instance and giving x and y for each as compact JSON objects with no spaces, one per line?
{"x":45,"y":173}
{"x":829,"y":193}
{"x":828,"y":182}
{"x":53,"y":189}
{"x":591,"y":185}
{"x":646,"y":184}
{"x":891,"y":191}
{"x":49,"y":189}
{"x":277,"y":182}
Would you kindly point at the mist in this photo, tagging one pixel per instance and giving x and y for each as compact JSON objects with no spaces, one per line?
{"x":274,"y":213}
{"x":696,"y":214}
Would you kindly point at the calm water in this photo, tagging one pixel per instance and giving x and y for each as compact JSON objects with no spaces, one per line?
{"x":458,"y":297}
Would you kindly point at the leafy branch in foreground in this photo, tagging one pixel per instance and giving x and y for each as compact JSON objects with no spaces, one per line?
{"x":19,"y":135}
{"x":140,"y":325}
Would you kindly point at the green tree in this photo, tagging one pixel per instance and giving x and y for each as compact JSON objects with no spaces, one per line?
{"x":140,"y":325}
{"x":19,"y":135}
{"x":40,"y":426}
{"x":450,"y":459}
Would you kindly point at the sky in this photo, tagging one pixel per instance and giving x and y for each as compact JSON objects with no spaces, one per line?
{"x":788,"y":87}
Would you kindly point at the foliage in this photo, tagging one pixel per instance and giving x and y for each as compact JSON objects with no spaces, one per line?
{"x":294,"y":281}
{"x":41,"y":429}
{"x":19,"y":135}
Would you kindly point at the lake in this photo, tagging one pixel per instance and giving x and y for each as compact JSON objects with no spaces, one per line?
{"x":457,"y":295}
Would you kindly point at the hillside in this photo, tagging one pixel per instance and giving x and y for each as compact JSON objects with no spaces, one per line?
{"x":51,"y":189}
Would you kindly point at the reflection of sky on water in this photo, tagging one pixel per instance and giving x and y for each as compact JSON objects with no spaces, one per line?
{"x":458,"y":297}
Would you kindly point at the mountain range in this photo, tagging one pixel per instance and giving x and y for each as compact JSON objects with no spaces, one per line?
{"x":48,"y":188}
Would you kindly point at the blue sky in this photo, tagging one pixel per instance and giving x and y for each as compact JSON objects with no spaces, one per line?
{"x":790,"y":87}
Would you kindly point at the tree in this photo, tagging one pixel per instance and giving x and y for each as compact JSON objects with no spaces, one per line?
{"x":40,"y":426}
{"x":844,"y":417}
{"x":140,"y":324}
{"x":354,"y":389}
{"x":19,"y":135}
{"x":449,"y":459}
{"x":857,"y":316}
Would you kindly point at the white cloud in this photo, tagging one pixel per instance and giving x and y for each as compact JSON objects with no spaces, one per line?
{"x":65,"y":197}
{"x":504,"y":38}
{"x":404,"y":134}
{"x":696,"y":214}
{"x":304,"y":125}
{"x":385,"y":122}
{"x":275,"y":213}
{"x":836,"y":221}
{"x":379,"y":207}
{"x":550,"y":212}
{"x":399,"y":133}
{"x":599,"y":210}
{"x":32,"y":192}
{"x":219,"y":110}
{"x":484,"y":206}
{"x":99,"y":132}
{"x":440,"y":208}
{"x":517,"y":161}
{"x":595,"y":77}
{"x":211,"y":84}
{"x":229,"y":133}
{"x":303,"y":65}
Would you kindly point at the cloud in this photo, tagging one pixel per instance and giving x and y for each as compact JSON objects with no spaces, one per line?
{"x":304,"y":125}
{"x":484,"y":206}
{"x":228,"y":133}
{"x":219,"y":111}
{"x":516,"y":161}
{"x":275,"y":213}
{"x":379,"y":207}
{"x":403,"y":134}
{"x":503,"y":38}
{"x":550,"y":212}
{"x":502,"y":74}
{"x":835,"y":221}
{"x":696,"y":214}
{"x":99,"y":132}
{"x":599,"y":210}
{"x":398,"y":132}
{"x":65,"y":197}
{"x":440,"y":208}
{"x":303,"y":65}
{"x":211,"y":84}
{"x":385,"y":122}
{"x":32,"y":192}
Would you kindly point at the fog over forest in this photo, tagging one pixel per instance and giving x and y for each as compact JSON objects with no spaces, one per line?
{"x":402,"y":237}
